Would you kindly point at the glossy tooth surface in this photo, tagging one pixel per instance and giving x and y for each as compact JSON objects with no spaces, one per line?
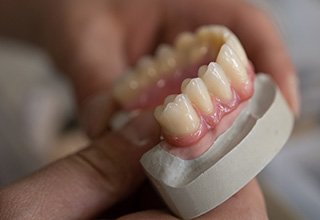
{"x":198,"y":94}
{"x":233,"y":67}
{"x":166,"y":59}
{"x":168,"y":99}
{"x":214,"y":35}
{"x":178,"y":118}
{"x":235,"y":44}
{"x":216,"y":81}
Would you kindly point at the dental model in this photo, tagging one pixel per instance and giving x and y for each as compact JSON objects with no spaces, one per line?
{"x":220,"y":128}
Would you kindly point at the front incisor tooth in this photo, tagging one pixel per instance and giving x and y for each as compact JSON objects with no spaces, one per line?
{"x":198,"y":94}
{"x":216,"y":81}
{"x":233,"y":67}
{"x":235,"y":44}
{"x":178,"y":118}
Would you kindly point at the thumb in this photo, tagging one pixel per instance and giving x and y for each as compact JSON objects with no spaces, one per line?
{"x":87,"y":44}
{"x":84,"y":184}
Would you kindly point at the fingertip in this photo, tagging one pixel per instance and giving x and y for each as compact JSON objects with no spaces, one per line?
{"x":95,"y":114}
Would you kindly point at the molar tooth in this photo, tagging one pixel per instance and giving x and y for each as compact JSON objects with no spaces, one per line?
{"x":198,"y":94}
{"x":216,"y":81}
{"x":178,"y":118}
{"x":235,"y":44}
{"x":233,"y":67}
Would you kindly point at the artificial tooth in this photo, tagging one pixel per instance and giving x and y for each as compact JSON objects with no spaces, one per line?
{"x":198,"y":94}
{"x":235,"y":44}
{"x":169,"y":98}
{"x":233,"y":67}
{"x":216,"y":81}
{"x":184,"y":42}
{"x":127,"y":88}
{"x":197,"y":53}
{"x":146,"y":66}
{"x":166,"y":59}
{"x":178,"y":118}
{"x":214,"y":35}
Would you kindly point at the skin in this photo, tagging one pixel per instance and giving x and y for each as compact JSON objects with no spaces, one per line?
{"x":93,"y":42}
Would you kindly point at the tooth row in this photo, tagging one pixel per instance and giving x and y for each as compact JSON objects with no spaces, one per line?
{"x":214,"y":80}
{"x":216,"y":41}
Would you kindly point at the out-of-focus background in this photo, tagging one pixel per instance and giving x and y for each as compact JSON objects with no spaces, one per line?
{"x":37,"y":114}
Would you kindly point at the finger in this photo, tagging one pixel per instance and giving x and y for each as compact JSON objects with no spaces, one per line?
{"x":88,"y":45}
{"x":266,"y":49}
{"x":248,"y":203}
{"x":84,"y":184}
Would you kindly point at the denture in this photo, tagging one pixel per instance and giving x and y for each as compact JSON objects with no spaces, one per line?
{"x":208,"y":90}
{"x":207,"y":100}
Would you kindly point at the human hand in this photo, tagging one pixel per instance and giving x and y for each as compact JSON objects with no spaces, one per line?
{"x":94,"y":42}
{"x":85,"y":184}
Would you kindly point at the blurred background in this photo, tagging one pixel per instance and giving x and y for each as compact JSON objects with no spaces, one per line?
{"x":38,"y":122}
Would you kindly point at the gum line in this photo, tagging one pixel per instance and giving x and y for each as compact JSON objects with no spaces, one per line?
{"x":203,"y":144}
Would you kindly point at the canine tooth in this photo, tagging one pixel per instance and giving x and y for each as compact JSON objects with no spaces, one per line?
{"x":198,"y":94}
{"x":178,"y":118}
{"x":232,"y":66}
{"x":166,"y":59}
{"x":235,"y":44}
{"x":216,"y":81}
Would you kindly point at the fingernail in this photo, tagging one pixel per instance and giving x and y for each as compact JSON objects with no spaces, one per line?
{"x":142,"y":131}
{"x":95,"y":114}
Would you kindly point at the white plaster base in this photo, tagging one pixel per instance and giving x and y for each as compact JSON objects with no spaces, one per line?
{"x":191,"y":188}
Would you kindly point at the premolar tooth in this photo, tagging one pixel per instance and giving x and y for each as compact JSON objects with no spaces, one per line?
{"x":198,"y":94}
{"x":216,"y":81}
{"x":166,"y":59}
{"x":128,"y":87}
{"x":235,"y":44}
{"x":178,"y":118}
{"x":184,"y":41}
{"x":146,"y":66}
{"x":233,"y":67}
{"x":198,"y":52}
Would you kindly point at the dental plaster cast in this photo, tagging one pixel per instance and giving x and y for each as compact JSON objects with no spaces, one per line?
{"x":219,"y":129}
{"x":191,"y":188}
